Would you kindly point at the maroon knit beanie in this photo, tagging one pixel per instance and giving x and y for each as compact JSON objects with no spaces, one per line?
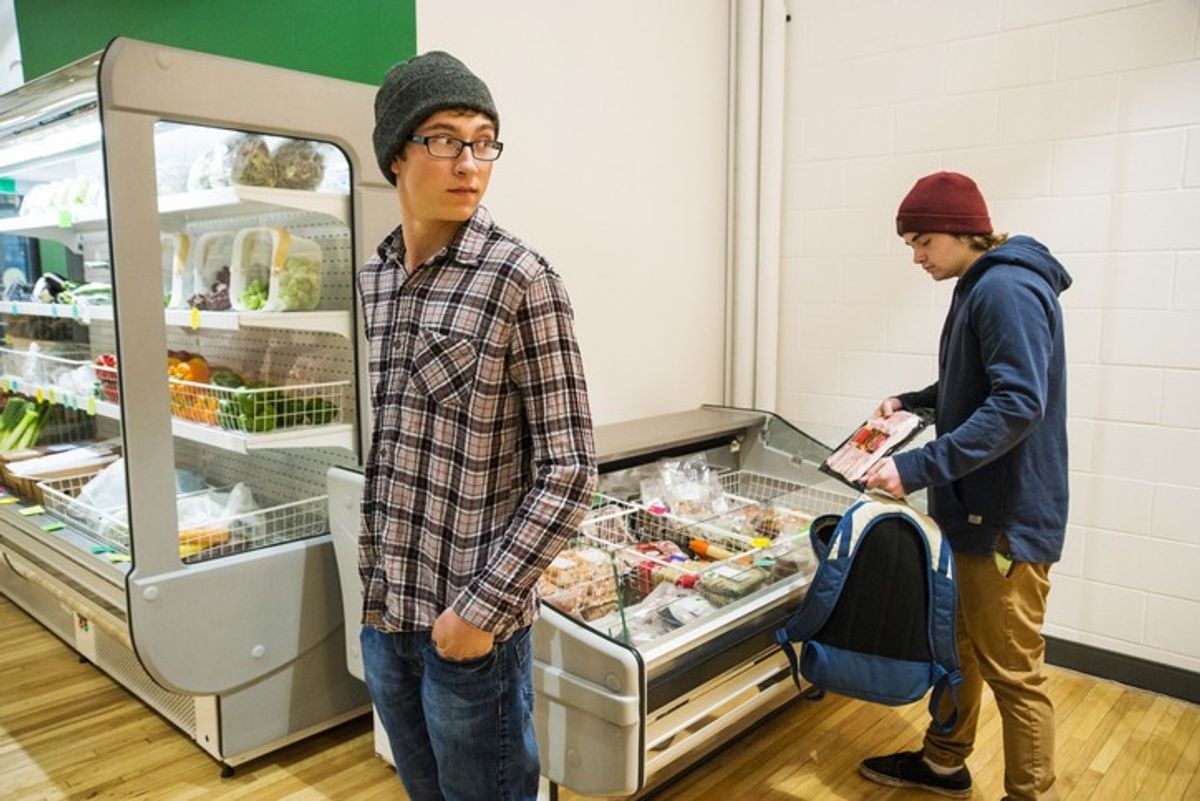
{"x":945,"y":202}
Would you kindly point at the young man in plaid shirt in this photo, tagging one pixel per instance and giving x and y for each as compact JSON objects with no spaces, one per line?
{"x":481,"y":461}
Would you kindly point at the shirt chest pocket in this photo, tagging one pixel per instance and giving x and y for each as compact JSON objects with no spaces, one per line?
{"x":444,"y":366}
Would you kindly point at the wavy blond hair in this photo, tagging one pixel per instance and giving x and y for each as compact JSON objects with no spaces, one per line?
{"x":984,"y":242}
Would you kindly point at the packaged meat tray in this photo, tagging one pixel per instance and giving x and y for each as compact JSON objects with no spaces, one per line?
{"x":874,"y":440}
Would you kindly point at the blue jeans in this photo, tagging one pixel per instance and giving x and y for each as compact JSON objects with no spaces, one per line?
{"x":459,"y":731}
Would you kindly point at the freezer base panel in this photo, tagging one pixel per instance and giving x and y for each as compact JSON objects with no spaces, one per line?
{"x":312,"y":694}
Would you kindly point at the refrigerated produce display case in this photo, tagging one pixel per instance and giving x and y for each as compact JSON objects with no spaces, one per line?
{"x":654,"y":641}
{"x":165,"y":510}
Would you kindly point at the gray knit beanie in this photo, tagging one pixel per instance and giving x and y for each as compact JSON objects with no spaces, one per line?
{"x":417,"y":88}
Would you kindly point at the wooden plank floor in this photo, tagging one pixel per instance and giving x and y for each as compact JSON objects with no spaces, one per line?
{"x":69,"y":732}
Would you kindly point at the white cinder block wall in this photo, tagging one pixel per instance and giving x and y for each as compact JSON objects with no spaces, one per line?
{"x":1080,"y":119}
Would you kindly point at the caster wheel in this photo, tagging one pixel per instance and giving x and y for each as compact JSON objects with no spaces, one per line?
{"x":227,"y":771}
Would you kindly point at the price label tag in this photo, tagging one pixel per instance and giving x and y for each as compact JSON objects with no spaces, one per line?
{"x":75,"y":311}
{"x":91,"y":406}
{"x":41,"y":396}
{"x":118,"y":557}
{"x":53,"y":395}
{"x":14,"y":308}
{"x":5,"y":384}
{"x":195,"y":318}
{"x":7,"y":499}
{"x":53,"y":525}
{"x":16,"y":385}
{"x":65,"y":220}
{"x":54,"y":311}
{"x":30,"y":511}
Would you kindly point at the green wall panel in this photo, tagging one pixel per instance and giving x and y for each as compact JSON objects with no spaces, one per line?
{"x":353,"y":39}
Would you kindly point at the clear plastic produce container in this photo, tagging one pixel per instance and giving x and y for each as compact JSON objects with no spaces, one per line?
{"x":177,"y":280}
{"x":275,"y":271}
{"x":211,"y":268}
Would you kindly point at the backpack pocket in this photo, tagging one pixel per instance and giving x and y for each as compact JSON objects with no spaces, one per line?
{"x":890,"y":681}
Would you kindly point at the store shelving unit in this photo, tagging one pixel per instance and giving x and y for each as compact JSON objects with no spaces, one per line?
{"x":68,"y":224}
{"x":229,"y":624}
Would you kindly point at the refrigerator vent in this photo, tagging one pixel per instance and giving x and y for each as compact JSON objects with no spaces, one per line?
{"x":121,"y":663}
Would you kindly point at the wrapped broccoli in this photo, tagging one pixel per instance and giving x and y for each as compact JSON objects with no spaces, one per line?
{"x":250,"y":161}
{"x":299,"y":165}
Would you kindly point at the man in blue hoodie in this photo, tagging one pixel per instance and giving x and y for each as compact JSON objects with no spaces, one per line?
{"x":996,"y":476}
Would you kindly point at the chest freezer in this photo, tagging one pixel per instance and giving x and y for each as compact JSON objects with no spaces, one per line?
{"x":654,"y":641}
{"x":654,"y":644}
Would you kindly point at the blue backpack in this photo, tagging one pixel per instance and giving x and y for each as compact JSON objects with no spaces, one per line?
{"x":878,"y":620}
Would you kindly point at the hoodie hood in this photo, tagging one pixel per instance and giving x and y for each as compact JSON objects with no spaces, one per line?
{"x":1021,"y":251}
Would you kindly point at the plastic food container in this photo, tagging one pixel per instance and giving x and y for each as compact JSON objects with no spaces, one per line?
{"x":211,"y":263}
{"x":274,"y":271}
{"x":177,"y":281}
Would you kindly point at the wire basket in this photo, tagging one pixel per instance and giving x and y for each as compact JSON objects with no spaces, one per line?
{"x":45,"y":368}
{"x":104,"y":526}
{"x":259,"y":410}
{"x":274,"y":524}
{"x":637,"y":574}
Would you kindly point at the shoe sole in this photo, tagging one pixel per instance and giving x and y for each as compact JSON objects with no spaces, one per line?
{"x":892,"y":781}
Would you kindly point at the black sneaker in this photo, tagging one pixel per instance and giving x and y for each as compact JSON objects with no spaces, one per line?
{"x":908,"y":769}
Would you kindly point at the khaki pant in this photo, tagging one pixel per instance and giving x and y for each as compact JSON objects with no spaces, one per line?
{"x":999,"y":641}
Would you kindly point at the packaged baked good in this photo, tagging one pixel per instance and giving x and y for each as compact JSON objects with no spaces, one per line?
{"x":580,"y":582}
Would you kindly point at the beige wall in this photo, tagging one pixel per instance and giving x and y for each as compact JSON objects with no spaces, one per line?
{"x":614,"y":118}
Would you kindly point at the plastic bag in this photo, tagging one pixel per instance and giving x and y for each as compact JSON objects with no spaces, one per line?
{"x":691,"y":489}
{"x":299,"y":164}
{"x":250,"y":162}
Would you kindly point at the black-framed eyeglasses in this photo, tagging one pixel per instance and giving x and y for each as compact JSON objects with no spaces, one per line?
{"x":448,"y":147}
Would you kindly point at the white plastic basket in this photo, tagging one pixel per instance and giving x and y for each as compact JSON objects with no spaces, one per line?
{"x":274,"y":270}
{"x":212,"y":253}
{"x":177,"y":280}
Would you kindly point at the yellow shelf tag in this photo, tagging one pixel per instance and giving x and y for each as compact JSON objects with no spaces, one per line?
{"x":30,"y":511}
{"x":760,"y":542}
{"x":53,"y":395}
{"x":7,"y":499}
{"x":40,"y":395}
{"x":195,"y":318}
{"x":5,"y":384}
{"x":91,"y":406}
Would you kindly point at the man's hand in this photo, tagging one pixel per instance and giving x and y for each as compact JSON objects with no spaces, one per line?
{"x":884,"y":475}
{"x":886,"y":408}
{"x":457,"y":640}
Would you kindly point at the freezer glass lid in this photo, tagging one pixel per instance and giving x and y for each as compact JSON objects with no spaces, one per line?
{"x":689,"y":542}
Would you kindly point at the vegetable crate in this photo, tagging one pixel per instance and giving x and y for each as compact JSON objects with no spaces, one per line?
{"x":261,"y":409}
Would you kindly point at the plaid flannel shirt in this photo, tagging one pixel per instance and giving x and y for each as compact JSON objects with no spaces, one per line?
{"x":482,"y":462}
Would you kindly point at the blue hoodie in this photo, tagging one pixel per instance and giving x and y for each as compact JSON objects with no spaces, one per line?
{"x":999,"y":463}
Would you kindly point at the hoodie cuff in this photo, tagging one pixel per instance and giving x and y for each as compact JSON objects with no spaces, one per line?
{"x":913,"y":469}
